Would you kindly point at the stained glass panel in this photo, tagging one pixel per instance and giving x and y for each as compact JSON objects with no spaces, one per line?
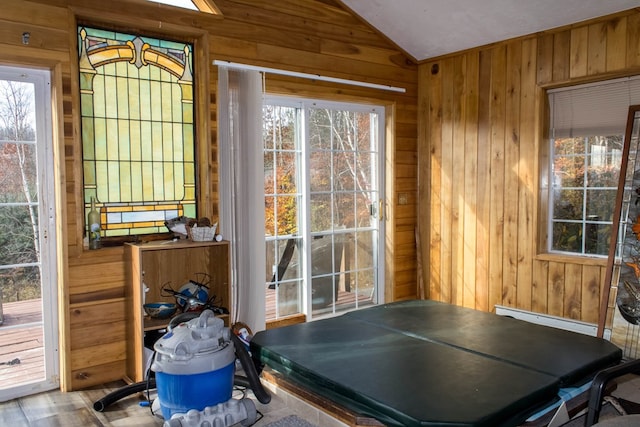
{"x":137,"y":130}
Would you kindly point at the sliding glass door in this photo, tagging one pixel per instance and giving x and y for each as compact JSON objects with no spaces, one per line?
{"x":322,"y":190}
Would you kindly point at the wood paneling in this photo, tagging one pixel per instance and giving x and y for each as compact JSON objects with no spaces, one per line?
{"x":313,"y":36}
{"x":486,"y":239}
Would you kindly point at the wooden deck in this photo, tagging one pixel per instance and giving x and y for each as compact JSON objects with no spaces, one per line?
{"x":21,"y":343}
{"x":345,"y":301}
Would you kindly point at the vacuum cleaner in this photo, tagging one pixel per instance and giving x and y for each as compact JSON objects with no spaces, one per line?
{"x":194,"y":365}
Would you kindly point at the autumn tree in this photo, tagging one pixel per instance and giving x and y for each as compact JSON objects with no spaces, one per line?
{"x":339,"y":168}
{"x":586,"y":172}
{"x":280,"y":181}
{"x":341,"y":159}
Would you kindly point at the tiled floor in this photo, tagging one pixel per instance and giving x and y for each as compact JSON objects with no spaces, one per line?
{"x":628,"y":388}
{"x":75,"y":409}
{"x":283,"y":404}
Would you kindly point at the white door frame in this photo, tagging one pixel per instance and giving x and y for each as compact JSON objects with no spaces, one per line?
{"x":47,"y":228}
{"x":379,"y":128}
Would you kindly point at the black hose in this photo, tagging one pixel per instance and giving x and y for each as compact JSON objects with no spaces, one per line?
{"x":242,"y":354}
{"x":241,"y":381}
{"x":122,"y":392}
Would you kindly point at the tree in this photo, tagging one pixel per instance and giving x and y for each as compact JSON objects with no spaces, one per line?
{"x":18,"y":200}
{"x":586,"y":171}
{"x":340,"y":159}
{"x":280,"y":181}
{"x":341,"y":162}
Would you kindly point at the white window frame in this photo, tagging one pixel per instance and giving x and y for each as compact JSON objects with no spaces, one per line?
{"x":41,"y":79}
{"x":588,"y":110}
{"x":304,"y":104}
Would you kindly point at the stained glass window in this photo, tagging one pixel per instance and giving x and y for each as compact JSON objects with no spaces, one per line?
{"x":137,"y":130}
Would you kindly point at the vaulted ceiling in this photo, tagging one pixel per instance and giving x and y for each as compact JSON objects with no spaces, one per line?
{"x":429,"y":28}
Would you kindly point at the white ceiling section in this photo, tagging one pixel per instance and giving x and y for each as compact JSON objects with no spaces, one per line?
{"x":429,"y":28}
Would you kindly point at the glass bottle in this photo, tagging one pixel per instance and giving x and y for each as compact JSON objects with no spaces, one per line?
{"x":93,"y":220}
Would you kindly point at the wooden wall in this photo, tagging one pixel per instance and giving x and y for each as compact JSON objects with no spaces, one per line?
{"x":483,"y":159}
{"x":313,"y":36}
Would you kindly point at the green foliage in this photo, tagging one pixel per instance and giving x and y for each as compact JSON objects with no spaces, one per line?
{"x":586,"y":172}
{"x":340,"y":165}
{"x":18,"y":181}
{"x":280,"y":181}
{"x":17,"y":247}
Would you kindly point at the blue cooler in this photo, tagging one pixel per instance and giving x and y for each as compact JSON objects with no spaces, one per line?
{"x":194,"y":365}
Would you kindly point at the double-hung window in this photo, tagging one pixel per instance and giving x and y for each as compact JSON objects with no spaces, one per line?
{"x":586,"y":139}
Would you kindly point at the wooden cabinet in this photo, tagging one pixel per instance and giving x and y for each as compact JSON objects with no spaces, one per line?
{"x":169,"y":263}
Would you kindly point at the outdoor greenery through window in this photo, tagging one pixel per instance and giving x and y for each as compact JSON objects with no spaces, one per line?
{"x":322,"y":186}
{"x":137,"y":130}
{"x":585,"y":184}
{"x":19,"y":248}
{"x":587,"y":125}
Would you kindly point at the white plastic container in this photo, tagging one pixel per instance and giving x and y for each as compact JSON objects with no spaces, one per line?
{"x":194,"y":365}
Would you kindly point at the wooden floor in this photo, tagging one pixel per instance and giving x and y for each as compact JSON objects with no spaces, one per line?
{"x":21,"y":343}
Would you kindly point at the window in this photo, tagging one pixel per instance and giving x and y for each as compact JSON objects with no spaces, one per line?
{"x":206,"y":6}
{"x":585,"y":183}
{"x":587,"y":128}
{"x":322,"y":186}
{"x":137,"y":130}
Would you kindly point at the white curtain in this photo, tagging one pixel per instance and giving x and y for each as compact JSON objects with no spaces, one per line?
{"x":242,"y":190}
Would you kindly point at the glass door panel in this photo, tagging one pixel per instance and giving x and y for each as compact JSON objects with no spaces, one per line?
{"x":28,"y":320}
{"x":321,"y":202}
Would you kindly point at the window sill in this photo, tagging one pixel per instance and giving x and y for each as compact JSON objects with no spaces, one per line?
{"x":114,"y":242}
{"x":572,"y":259}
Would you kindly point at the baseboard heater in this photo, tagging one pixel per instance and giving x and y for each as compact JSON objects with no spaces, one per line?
{"x":548,"y":320}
